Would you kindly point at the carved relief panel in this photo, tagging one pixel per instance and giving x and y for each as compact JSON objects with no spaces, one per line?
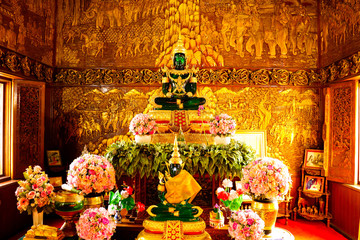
{"x":99,"y":116}
{"x":339,"y":29}
{"x":342,"y":140}
{"x":120,"y":33}
{"x":28,"y":27}
{"x":29,"y":107}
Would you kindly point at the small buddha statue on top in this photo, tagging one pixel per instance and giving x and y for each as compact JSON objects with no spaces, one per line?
{"x":179,"y":84}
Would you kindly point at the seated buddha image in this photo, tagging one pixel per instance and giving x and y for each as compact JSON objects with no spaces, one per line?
{"x":179,"y":84}
{"x":177,"y":188}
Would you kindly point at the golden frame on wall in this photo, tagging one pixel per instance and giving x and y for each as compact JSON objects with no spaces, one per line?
{"x":314,"y":159}
{"x":314,"y":184}
{"x":255,"y":139}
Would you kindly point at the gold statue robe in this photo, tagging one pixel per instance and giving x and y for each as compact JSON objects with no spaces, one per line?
{"x":181,"y":187}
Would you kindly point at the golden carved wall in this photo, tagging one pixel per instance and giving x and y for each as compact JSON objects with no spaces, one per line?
{"x":123,"y":34}
{"x":98,"y":116}
{"x":339,"y":29}
{"x":28,"y":28}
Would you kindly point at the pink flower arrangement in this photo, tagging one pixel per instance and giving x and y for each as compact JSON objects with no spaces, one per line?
{"x":35,"y":191}
{"x":246,"y":225}
{"x":222,"y":124}
{"x":266,"y":178}
{"x":142,"y":124}
{"x":91,"y":173}
{"x":95,"y":223}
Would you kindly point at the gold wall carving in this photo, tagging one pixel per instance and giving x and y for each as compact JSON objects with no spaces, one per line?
{"x":28,"y":28}
{"x":18,"y":64}
{"x":97,"y":116}
{"x":341,"y":132}
{"x":124,"y":34}
{"x":339,"y":29}
{"x":205,"y":76}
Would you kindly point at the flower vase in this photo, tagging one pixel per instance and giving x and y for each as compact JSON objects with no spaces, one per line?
{"x":219,"y":139}
{"x":267,"y":210}
{"x":117,"y":216}
{"x":37,"y":217}
{"x":141,"y":139}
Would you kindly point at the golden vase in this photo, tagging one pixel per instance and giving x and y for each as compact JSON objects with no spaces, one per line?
{"x":93,"y":201}
{"x":267,"y":210}
{"x":69,"y":205}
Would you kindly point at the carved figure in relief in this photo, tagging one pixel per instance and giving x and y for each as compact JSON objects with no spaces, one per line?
{"x":2,"y":30}
{"x":102,"y":10}
{"x":302,"y":29}
{"x":256,"y":34}
{"x":281,"y":20}
{"x":240,"y":32}
{"x":11,"y":36}
{"x":315,"y":210}
{"x":92,"y":46}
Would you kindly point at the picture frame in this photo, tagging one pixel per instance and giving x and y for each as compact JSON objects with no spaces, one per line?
{"x":314,"y":184}
{"x":254,"y":139}
{"x":53,"y":158}
{"x":56,"y":181}
{"x":314,"y":159}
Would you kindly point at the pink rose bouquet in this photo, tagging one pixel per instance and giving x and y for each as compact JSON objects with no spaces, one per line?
{"x":35,"y":192}
{"x":246,"y":225}
{"x":142,"y":124}
{"x":95,"y":224}
{"x":266,"y":178}
{"x":222,"y":124}
{"x":91,"y":174}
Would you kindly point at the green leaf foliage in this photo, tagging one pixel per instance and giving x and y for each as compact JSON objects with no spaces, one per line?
{"x":129,"y":158}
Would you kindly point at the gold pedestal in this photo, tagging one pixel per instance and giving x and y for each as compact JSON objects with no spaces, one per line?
{"x":156,"y":230}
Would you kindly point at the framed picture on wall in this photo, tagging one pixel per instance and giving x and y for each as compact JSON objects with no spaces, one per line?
{"x":314,"y":184}
{"x":53,"y":158}
{"x":314,"y":159}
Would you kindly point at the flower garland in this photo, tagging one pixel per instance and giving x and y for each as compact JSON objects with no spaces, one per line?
{"x":95,"y":224}
{"x":266,"y":178}
{"x":142,"y":124}
{"x":246,"y":225}
{"x":222,"y":125}
{"x":35,"y":192}
{"x":91,"y":174}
